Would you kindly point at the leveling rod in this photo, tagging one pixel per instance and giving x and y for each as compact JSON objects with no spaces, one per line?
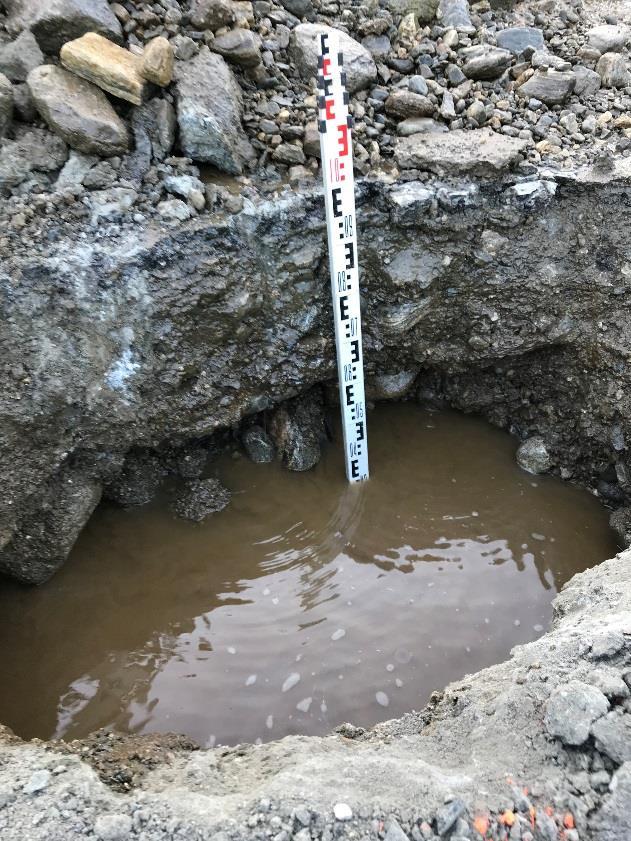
{"x":336,"y":149}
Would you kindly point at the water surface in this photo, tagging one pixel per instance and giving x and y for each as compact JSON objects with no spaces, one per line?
{"x":305,"y":603}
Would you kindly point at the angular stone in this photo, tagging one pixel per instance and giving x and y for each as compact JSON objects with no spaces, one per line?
{"x":299,"y":8}
{"x":572,"y":709}
{"x":613,"y":71}
{"x":77,"y":111}
{"x":480,"y":152}
{"x":239,"y":46}
{"x":549,"y":61}
{"x":425,"y":10}
{"x":53,"y":22}
{"x":23,"y":103}
{"x":587,"y":81}
{"x":289,"y":154}
{"x":6,"y":104}
{"x":551,"y":86}
{"x":612,"y":736}
{"x":533,"y":456}
{"x":454,"y":14}
{"x":74,"y":171}
{"x":404,"y":104}
{"x":296,"y":429}
{"x":377,"y":45}
{"x":359,"y":65}
{"x":518,"y":38}
{"x":487,"y":64}
{"x":199,"y":498}
{"x":107,"y":65}
{"x":18,"y":58}
{"x":32,"y":149}
{"x":157,"y":118}
{"x":390,"y":386}
{"x":258,"y":445}
{"x":612,"y":821}
{"x":212,"y":14}
{"x":157,"y":62}
{"x":420,"y":125}
{"x":608,"y":38}
{"x":209,"y":109}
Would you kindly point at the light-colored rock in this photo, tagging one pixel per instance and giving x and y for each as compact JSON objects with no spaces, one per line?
{"x":6,"y":104}
{"x":454,"y":14}
{"x":552,"y":86}
{"x":157,"y":62}
{"x":517,"y":38}
{"x":420,"y":125}
{"x":608,"y":38}
{"x":488,"y":63}
{"x":612,"y":736}
{"x":113,"y":827}
{"x":612,"y":822}
{"x":532,"y":455}
{"x":359,"y":64}
{"x":390,"y":386}
{"x":107,"y":65}
{"x":209,"y":111}
{"x":424,"y":10}
{"x":239,"y":46}
{"x":480,"y":152}
{"x":613,"y":71}
{"x":112,"y":203}
{"x":74,"y":171}
{"x":53,"y":22}
{"x":212,"y":14}
{"x":587,"y":81}
{"x":408,"y":29}
{"x":18,"y":58}
{"x":77,"y":111}
{"x":572,"y":709}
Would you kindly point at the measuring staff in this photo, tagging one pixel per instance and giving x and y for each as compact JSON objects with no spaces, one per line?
{"x":336,"y":149}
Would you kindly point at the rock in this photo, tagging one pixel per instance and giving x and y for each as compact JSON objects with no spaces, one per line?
{"x":18,"y":58}
{"x":183,"y":185}
{"x":549,"y":86}
{"x":377,"y":45}
{"x":157,"y":62}
{"x":36,"y":553}
{"x":390,"y":386}
{"x":606,"y":645}
{"x":610,"y":684}
{"x":54,"y":22}
{"x":533,"y":456}
{"x":479,"y":152}
{"x":454,"y":14}
{"x":6,"y":104}
{"x":608,"y":38}
{"x":417,"y":84}
{"x":518,"y":38}
{"x":476,"y":111}
{"x":157,"y":118}
{"x":420,"y":125}
{"x":113,"y":827}
{"x":404,"y":104}
{"x":175,"y":210}
{"x":32,"y":149}
{"x":296,"y":428}
{"x":258,"y":445}
{"x":342,"y":812}
{"x":359,"y":65}
{"x":311,"y":140}
{"x":408,"y":29}
{"x":138,"y":481}
{"x":212,"y":14}
{"x":448,"y":814}
{"x":572,"y":709}
{"x":77,"y":111}
{"x":24,"y":105}
{"x":549,"y":61}
{"x":190,"y":460}
{"x":111,"y":204}
{"x":209,"y":109}
{"x":612,"y":821}
{"x":199,"y":498}
{"x":620,"y":522}
{"x":299,"y":8}
{"x":289,"y":154}
{"x":487,"y":64}
{"x":587,"y":81}
{"x":394,"y":831}
{"x":107,"y":65}
{"x":137,"y":163}
{"x":101,"y":176}
{"x":239,"y":46}
{"x":424,"y":10}
{"x":612,"y":736}
{"x":612,"y":69}
{"x":74,"y":171}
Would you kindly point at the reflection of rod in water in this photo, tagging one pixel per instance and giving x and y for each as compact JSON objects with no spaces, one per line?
{"x":336,"y":150}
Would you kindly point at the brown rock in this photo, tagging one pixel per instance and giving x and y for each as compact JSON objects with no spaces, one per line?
{"x":157,"y":62}
{"x":404,"y":104}
{"x":107,"y":65}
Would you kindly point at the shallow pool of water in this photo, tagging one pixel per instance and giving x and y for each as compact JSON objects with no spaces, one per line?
{"x":306,"y":603}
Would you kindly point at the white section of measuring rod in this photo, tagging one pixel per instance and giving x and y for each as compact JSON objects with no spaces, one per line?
{"x":339,"y":192}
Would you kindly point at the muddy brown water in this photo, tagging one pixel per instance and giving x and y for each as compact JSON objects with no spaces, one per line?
{"x":306,"y":603}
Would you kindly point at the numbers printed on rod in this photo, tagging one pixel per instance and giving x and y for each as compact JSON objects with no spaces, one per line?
{"x":335,"y":125}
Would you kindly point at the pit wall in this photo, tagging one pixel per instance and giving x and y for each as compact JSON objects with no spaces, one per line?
{"x":507,"y":299}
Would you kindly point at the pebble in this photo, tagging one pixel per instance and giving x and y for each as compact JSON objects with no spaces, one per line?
{"x":342,"y":812}
{"x":39,"y":781}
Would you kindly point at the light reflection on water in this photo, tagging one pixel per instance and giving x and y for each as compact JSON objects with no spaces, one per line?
{"x":306,"y":602}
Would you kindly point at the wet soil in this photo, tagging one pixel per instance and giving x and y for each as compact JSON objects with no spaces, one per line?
{"x":305,"y":603}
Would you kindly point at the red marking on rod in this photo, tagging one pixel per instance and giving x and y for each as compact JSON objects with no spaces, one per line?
{"x":328,"y":107}
{"x":342,"y":140}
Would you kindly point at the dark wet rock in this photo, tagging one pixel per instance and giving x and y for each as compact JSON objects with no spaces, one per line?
{"x":518,"y":38}
{"x":239,"y":46}
{"x":18,"y":58}
{"x":6,"y":104}
{"x":486,"y":63}
{"x":572,"y":709}
{"x":258,"y":445}
{"x":620,"y":522}
{"x":481,"y":152}
{"x":613,"y":70}
{"x":157,"y":119}
{"x":532,"y":455}
{"x":190,"y":460}
{"x":403,"y":104}
{"x":23,"y":103}
{"x":54,"y":22}
{"x":296,"y":429}
{"x":359,"y":64}
{"x":455,"y":14}
{"x":35,"y":553}
{"x":209,"y":112}
{"x":199,"y":498}
{"x":551,"y":87}
{"x":608,"y":38}
{"x":139,"y":480}
{"x":212,"y":14}
{"x":77,"y":111}
{"x":612,"y":736}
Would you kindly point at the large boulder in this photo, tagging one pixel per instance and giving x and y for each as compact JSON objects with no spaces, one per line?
{"x":19,"y":57}
{"x":359,"y":64}
{"x":608,"y":38}
{"x":53,"y":22}
{"x":77,"y":111}
{"x":6,"y":104}
{"x":209,"y":112}
{"x":481,"y":152}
